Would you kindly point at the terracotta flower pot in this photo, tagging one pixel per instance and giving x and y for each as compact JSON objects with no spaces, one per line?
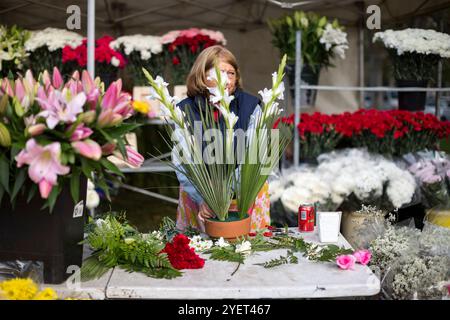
{"x":228,"y":229}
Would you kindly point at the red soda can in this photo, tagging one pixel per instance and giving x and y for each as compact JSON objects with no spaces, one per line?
{"x":306,"y":215}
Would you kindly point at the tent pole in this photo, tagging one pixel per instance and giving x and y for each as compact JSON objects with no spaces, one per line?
{"x":298,"y":70}
{"x":91,"y":38}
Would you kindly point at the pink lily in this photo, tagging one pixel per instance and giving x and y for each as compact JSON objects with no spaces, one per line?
{"x":108,"y":148}
{"x":57,"y":80}
{"x":115,"y":103}
{"x":60,"y":106}
{"x":134,"y":158}
{"x":36,"y":129}
{"x":88,"y":149}
{"x":81,"y":133}
{"x":6,"y":87}
{"x":90,"y":89}
{"x":44,"y":164}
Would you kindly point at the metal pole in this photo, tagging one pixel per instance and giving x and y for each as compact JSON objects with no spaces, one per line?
{"x":298,"y":69}
{"x":438,"y":94}
{"x":91,"y":38}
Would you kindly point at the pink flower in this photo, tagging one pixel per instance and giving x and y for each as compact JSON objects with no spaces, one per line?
{"x":60,"y":106}
{"x":6,"y":87}
{"x":44,"y":164}
{"x":81,"y":133}
{"x":57,"y":80}
{"x":108,"y":148}
{"x":90,"y":88}
{"x":134,"y":158}
{"x":88,"y":149}
{"x":362,"y":256}
{"x":346,"y":261}
{"x":116,"y":106}
{"x":36,"y":129}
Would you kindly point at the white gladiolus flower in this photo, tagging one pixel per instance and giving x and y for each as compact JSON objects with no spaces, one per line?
{"x":222,"y":243}
{"x":244,"y":247}
{"x":266,"y":95}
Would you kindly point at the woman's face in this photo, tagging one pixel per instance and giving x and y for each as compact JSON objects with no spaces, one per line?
{"x":231,"y":73}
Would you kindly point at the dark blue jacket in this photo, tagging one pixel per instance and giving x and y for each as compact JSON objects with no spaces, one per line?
{"x":242,"y":105}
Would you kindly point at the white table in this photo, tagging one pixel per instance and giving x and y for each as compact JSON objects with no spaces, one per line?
{"x":214,"y":281}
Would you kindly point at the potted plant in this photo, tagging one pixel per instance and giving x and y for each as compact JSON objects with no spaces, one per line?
{"x":45,"y":49}
{"x":12,"y":49}
{"x":321,"y":41}
{"x":53,"y":137}
{"x":181,"y":48}
{"x":231,"y":170}
{"x":415,"y":54}
{"x":107,"y":60}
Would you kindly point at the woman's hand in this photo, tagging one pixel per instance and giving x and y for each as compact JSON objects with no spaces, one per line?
{"x":204,"y":212}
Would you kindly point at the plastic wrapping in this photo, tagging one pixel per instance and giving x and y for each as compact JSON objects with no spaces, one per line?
{"x":22,"y":269}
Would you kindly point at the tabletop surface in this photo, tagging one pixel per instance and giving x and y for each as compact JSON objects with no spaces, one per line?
{"x":307,"y":279}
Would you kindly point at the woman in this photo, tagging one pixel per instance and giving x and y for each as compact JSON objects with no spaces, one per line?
{"x":192,"y":210}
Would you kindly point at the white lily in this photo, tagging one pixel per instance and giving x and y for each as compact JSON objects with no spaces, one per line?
{"x":266,"y":95}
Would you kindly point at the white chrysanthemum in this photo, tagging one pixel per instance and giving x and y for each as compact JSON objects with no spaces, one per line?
{"x":144,"y":44}
{"x":419,"y":41}
{"x":294,"y":196}
{"x":334,"y":39}
{"x":368,"y":185}
{"x":53,"y":38}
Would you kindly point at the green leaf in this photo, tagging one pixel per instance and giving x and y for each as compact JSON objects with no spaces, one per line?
{"x":102,"y":184}
{"x":120,"y":131}
{"x":32,"y":192}
{"x":4,"y":173}
{"x":86,"y":168}
{"x":19,"y":180}
{"x":52,"y":197}
{"x":75,"y":184}
{"x":111,"y":167}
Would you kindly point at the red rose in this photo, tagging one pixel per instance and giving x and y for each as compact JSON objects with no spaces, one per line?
{"x":268,"y":234}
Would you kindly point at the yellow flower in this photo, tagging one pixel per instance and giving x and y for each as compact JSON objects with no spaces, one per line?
{"x":18,"y":289}
{"x":46,"y":294}
{"x":141,"y":106}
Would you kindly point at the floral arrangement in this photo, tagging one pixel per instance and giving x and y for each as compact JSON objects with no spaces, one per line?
{"x":321,"y":39}
{"x":183,"y":46}
{"x":415,"y":52}
{"x":215,"y":178}
{"x":391,"y":133}
{"x":345,"y":179}
{"x":141,"y":51}
{"x":107,"y":60}
{"x":45,"y":48}
{"x":56,"y":132}
{"x":12,"y":49}
{"x":25,"y":289}
{"x":408,"y":263}
{"x":434,"y":179}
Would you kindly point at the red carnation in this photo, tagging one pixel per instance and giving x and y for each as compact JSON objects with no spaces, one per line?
{"x":180,"y":255}
{"x":175,"y":61}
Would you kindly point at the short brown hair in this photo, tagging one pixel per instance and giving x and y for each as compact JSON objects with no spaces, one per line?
{"x":196,"y":80}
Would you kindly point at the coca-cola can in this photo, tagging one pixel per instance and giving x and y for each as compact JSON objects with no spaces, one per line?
{"x":306,"y":217}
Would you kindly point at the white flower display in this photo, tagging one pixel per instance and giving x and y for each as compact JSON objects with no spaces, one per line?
{"x":416,"y":41}
{"x":199,"y":244}
{"x":53,"y":38}
{"x":146,"y":45}
{"x":92,"y":197}
{"x":334,"y":39}
{"x":340,"y":174}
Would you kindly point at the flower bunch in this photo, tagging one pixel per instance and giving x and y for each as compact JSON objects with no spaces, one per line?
{"x":57,"y":131}
{"x":25,"y":289}
{"x":183,"y":46}
{"x":321,"y":39}
{"x":141,"y":51}
{"x":347,"y":178}
{"x":181,"y":255}
{"x":199,"y":244}
{"x":434,"y":179}
{"x":45,"y":48}
{"x":12,"y":49}
{"x":107,"y":60}
{"x":415,"y":52}
{"x":393,"y":132}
